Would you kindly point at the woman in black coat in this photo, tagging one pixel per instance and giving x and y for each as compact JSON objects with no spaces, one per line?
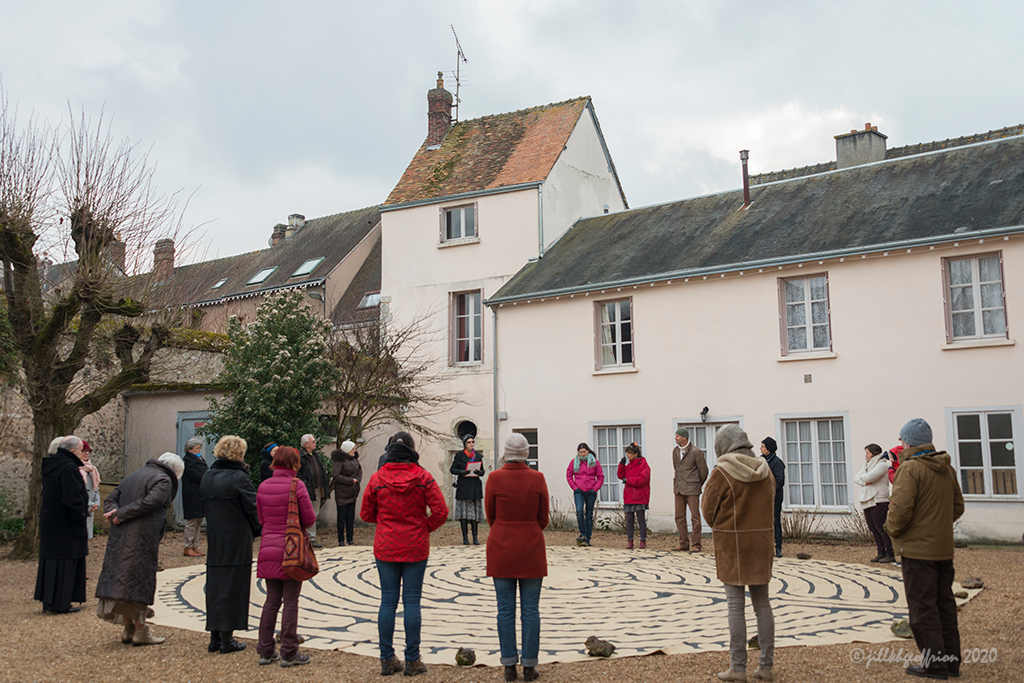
{"x":191,"y":505}
{"x":137,"y":511}
{"x":229,"y":503}
{"x":468,"y":466}
{"x":63,"y":543}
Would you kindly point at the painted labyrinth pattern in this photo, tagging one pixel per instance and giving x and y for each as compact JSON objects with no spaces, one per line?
{"x":643,"y":601}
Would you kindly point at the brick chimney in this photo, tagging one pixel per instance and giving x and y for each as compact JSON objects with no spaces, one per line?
{"x":439,"y":112}
{"x":163,"y":259}
{"x":277,"y":234}
{"x":860,"y":147}
{"x":116,"y":253}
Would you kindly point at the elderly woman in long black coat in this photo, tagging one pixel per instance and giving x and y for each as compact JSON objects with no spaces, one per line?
{"x":137,"y":510}
{"x":229,"y":503}
{"x":63,"y":542}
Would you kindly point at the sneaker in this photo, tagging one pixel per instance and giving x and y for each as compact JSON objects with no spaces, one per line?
{"x":269,"y":660}
{"x":629,"y":544}
{"x":298,"y":660}
{"x":586,"y":543}
{"x":580,"y":539}
{"x":390,"y":666}
{"x":642,"y":545}
{"x":414,"y":668}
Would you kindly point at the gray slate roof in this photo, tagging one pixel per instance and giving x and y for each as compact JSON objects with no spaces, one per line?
{"x":914,"y":197}
{"x":347,"y":310}
{"x":332,"y":237}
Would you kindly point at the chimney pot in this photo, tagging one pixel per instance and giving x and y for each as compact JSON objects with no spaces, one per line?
{"x":163,"y":259}
{"x":867,"y":126}
{"x":439,"y":112}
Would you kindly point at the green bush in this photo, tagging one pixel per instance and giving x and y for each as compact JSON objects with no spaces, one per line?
{"x":11,"y":525}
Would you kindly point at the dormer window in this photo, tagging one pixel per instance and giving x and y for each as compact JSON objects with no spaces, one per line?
{"x":308,"y":267}
{"x":261,"y":276}
{"x":369,"y":300}
{"x":219,"y":283}
{"x":458,"y":222}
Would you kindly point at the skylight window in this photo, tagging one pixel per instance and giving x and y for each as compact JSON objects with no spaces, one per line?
{"x":369,"y":300}
{"x":308,"y":266}
{"x":219,"y":284}
{"x":261,"y":276}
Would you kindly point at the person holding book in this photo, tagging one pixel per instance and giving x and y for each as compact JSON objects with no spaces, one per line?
{"x":468,"y":467}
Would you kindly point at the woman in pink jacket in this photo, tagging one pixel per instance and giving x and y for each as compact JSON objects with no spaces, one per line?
{"x":635,"y":474}
{"x":272,"y":508}
{"x":586,"y":477}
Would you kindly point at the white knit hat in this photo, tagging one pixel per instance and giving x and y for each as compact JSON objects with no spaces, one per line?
{"x":517,"y":448}
{"x":348,"y":446}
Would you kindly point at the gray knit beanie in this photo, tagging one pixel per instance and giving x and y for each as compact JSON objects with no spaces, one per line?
{"x":517,"y":448}
{"x":917,"y":432}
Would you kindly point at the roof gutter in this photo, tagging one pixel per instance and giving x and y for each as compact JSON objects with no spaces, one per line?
{"x":762,"y":263}
{"x":461,"y":195}
{"x":306,"y":284}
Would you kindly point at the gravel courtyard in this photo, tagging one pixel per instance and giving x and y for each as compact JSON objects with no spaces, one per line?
{"x":80,"y":646}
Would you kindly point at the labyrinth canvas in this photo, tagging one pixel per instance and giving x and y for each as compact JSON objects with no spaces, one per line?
{"x":642,"y":601}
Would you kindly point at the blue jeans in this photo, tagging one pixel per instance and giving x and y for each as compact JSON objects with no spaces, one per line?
{"x":529,"y":604}
{"x":585,"y":512}
{"x":409,"y":577}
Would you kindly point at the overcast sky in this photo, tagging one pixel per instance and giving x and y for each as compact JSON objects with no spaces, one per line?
{"x":270,"y":108}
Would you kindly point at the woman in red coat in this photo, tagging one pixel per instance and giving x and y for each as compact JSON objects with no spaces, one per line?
{"x":272,"y":509}
{"x":405,"y":503}
{"x":516,"y":504}
{"x":636,"y":492}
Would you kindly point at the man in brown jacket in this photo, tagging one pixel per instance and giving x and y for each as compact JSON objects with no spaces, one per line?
{"x":925,"y":501}
{"x":691,"y":470}
{"x":738,"y":506}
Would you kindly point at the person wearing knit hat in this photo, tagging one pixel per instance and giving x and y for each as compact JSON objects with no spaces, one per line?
{"x":468,"y":468}
{"x":516,"y":503}
{"x":924,"y":503}
{"x":778,"y":468}
{"x":346,"y":478}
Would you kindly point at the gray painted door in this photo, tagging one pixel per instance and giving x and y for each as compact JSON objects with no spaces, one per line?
{"x":188,"y":423}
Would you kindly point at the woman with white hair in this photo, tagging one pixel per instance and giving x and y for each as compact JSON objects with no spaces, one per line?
{"x":191,"y":503}
{"x":137,"y":511}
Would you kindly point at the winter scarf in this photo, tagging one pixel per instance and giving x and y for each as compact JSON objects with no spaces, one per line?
{"x":576,"y":462}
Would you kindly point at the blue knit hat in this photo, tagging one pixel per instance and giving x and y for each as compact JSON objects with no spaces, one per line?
{"x":917,"y":432}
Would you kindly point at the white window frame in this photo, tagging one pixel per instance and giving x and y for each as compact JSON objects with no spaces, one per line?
{"x":976,"y":302}
{"x":808,"y":306}
{"x":265,"y":272}
{"x":1016,"y":423}
{"x":792,"y":469}
{"x":453,"y":326}
{"x":460,"y":211}
{"x":619,"y":343}
{"x":612,"y":487}
{"x":308,"y":266}
{"x":533,"y":458}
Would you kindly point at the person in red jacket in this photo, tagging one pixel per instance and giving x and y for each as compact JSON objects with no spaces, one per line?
{"x":405,"y":503}
{"x":272,"y":510}
{"x":516,"y":504}
{"x":635,"y":474}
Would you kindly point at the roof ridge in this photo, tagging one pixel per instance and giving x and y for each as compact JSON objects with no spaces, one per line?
{"x":524,"y":110}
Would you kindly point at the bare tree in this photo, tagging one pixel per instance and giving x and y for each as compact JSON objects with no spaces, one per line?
{"x":76,"y":186}
{"x":387,"y":375}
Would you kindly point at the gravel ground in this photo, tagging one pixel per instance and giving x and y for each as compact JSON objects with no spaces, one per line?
{"x":79,"y":646}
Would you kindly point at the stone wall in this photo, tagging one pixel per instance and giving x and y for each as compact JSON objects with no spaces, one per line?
{"x":104,"y":429}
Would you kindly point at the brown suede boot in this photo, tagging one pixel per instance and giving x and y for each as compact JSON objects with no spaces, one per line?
{"x":143,"y":636}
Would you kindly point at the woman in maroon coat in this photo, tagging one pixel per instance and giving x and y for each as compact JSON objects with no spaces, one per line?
{"x":516,"y":504}
{"x":272,"y":509}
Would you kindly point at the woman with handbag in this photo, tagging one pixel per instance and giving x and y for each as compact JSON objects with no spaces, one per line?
{"x":405,"y":503}
{"x":278,"y":498}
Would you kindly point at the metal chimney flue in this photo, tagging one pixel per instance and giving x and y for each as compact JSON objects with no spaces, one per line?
{"x":744,"y":155}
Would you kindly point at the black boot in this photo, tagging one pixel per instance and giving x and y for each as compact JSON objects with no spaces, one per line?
{"x":214,"y":641}
{"x":228,"y":644}
{"x":511,"y":674}
{"x":476,"y":529}
{"x":464,"y":525}
{"x":530,"y":673}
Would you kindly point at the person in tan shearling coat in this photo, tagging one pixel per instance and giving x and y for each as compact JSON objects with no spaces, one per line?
{"x":738,"y":505}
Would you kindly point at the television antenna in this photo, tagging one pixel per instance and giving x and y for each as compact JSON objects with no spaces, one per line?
{"x":460,"y":57}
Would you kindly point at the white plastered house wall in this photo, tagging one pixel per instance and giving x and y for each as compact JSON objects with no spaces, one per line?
{"x":716,"y":342}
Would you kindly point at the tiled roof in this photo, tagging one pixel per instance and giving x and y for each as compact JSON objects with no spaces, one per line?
{"x":347,"y":310}
{"x":491,"y":152}
{"x":894,"y":153}
{"x":923,"y":197}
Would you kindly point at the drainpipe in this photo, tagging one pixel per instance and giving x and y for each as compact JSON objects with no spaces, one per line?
{"x":540,"y":221}
{"x":494,"y":383}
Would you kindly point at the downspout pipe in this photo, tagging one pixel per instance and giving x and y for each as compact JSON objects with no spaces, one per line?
{"x":494,"y":385}
{"x":540,"y":221}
